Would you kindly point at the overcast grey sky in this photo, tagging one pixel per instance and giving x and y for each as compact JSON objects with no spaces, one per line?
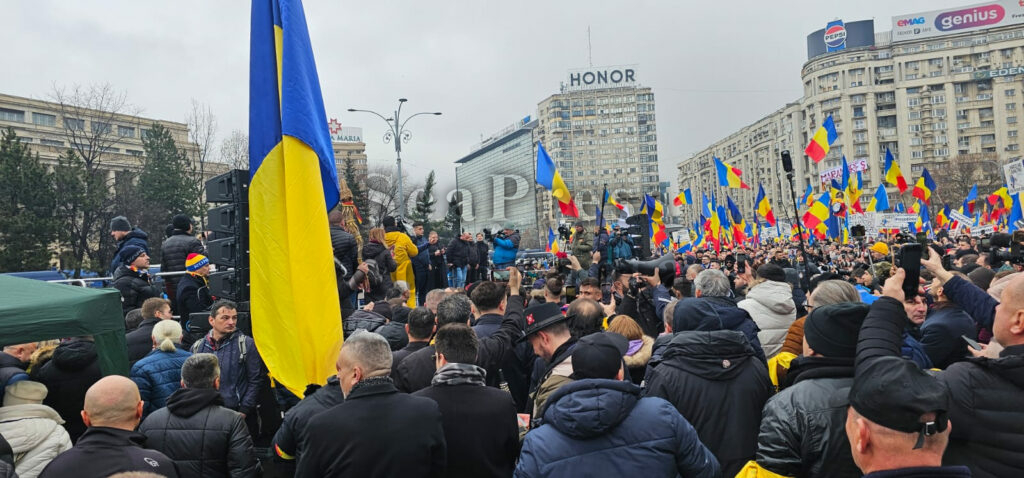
{"x":714,"y":66}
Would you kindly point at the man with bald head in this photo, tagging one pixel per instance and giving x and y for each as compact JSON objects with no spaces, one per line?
{"x":987,"y":435}
{"x":110,"y":445}
{"x":376,"y":431}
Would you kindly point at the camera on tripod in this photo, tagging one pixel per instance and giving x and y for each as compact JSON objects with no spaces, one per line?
{"x":564,"y":232}
{"x":997,"y":244}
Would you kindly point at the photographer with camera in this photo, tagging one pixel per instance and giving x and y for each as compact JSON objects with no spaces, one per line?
{"x":645,"y":297}
{"x":620,"y":245}
{"x":987,"y":436}
{"x":506,"y":246}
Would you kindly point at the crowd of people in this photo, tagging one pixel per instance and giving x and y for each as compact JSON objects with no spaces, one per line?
{"x":765,"y":361}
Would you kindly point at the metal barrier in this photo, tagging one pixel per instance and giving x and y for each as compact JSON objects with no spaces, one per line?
{"x":82,"y":282}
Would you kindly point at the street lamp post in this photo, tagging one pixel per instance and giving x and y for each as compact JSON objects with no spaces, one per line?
{"x":397,"y":133}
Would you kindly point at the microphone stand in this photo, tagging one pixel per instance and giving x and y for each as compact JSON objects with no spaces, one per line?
{"x":799,"y":225}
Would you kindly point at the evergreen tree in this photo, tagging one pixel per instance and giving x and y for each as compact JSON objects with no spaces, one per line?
{"x":81,"y":199}
{"x":452,"y":219}
{"x":168,"y":184}
{"x":27,"y":225}
{"x":359,"y":197}
{"x":425,"y":203}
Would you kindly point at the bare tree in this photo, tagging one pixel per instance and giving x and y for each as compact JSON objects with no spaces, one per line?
{"x":88,"y":114}
{"x":382,"y":192}
{"x":955,"y":177}
{"x":202,"y":131}
{"x":234,"y":150}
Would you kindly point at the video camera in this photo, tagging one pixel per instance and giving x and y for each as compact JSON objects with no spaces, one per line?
{"x":564,"y":232}
{"x":996,"y":246}
{"x":665,"y":265}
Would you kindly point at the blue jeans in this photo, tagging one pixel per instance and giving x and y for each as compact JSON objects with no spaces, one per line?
{"x":459,"y":274}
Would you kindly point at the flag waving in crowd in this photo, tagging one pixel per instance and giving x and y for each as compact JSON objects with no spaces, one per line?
{"x":764,"y":208}
{"x":822,"y":140}
{"x":925,"y":187}
{"x":294,"y":184}
{"x":683,"y":198}
{"x":893,"y":175}
{"x":729,"y":176}
{"x":548,"y":176}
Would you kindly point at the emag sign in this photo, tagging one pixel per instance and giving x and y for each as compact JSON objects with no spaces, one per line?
{"x":935,"y":23}
{"x":605,"y":77}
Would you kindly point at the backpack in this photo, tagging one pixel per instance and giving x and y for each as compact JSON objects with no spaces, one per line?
{"x":242,"y":347}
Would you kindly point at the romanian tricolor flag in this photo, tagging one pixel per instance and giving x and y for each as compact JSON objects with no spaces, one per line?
{"x":293,"y":183}
{"x":1016,"y":215}
{"x":729,"y":176}
{"x":970,"y":201}
{"x":925,"y":187}
{"x":548,"y":177}
{"x":822,"y":140}
{"x":739,"y":226}
{"x":683,"y":198}
{"x":764,"y":208}
{"x":808,"y":198}
{"x":880,"y":201}
{"x":892,"y":172}
{"x":609,"y":199}
{"x":1000,"y":199}
{"x":656,"y":213}
{"x":552,"y":242}
{"x":942,"y":217}
{"x":815,"y":218}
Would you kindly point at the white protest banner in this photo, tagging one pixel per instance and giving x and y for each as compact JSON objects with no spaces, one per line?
{"x":982,"y":230}
{"x":1013,"y":173}
{"x":960,"y":217}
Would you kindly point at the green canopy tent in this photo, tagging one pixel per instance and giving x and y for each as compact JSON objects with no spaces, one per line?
{"x":32,"y":310}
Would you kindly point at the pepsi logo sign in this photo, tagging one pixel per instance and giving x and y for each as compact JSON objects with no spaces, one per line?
{"x":835,"y":36}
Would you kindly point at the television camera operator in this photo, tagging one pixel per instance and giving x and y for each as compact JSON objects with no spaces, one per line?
{"x":506,"y":246}
{"x":644,"y":296}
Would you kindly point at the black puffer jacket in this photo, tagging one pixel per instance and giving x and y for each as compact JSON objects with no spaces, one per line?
{"x":717,"y":382}
{"x":481,"y":252}
{"x":362,"y":319}
{"x":135,"y":288}
{"x":803,"y":427}
{"x":458,"y":252}
{"x":73,"y":369}
{"x":175,"y":250}
{"x":135,"y":237}
{"x":201,"y":436}
{"x":345,"y":249}
{"x":987,"y":435}
{"x":290,"y":439}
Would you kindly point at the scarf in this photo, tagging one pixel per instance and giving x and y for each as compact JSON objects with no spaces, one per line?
{"x":459,"y":374}
{"x":370,"y":381}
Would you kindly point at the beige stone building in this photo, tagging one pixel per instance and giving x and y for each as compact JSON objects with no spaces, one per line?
{"x":926,"y":94}
{"x":348,"y":145}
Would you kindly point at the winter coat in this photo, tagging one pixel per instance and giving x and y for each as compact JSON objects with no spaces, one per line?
{"x":458,"y":252}
{"x":555,"y":374}
{"x":941,"y":335}
{"x":104,"y":451}
{"x":73,"y":369}
{"x":240,"y":377}
{"x":135,"y":287}
{"x":421,"y":261}
{"x":637,"y":363}
{"x":603,"y":428}
{"x":716,"y":381}
{"x":582,"y":245}
{"x":986,"y":435}
{"x":770,"y":304}
{"x":376,"y":431}
{"x":140,"y":340}
{"x":193,"y":296}
{"x":35,"y":435}
{"x":346,"y":250}
{"x":367,"y":320}
{"x":158,"y":375}
{"x":202,"y":437}
{"x":385,"y":266}
{"x":398,"y":356}
{"x":716,"y":313}
{"x":175,"y":250}
{"x":505,"y":249}
{"x":405,"y":250}
{"x":417,"y":369}
{"x":803,"y":427}
{"x":11,"y":368}
{"x":394,"y":332}
{"x":481,"y":252}
{"x":7,"y":471}
{"x":290,"y":440}
{"x":136,"y":237}
{"x":480,"y":429}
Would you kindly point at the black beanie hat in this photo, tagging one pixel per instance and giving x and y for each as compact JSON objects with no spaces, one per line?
{"x":832,"y":330}
{"x":771,"y":272}
{"x":120,"y":223}
{"x":389,"y":221}
{"x":181,"y":222}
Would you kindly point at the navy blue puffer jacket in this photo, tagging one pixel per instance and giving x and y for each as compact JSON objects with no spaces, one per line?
{"x":603,"y":428}
{"x":158,"y":375}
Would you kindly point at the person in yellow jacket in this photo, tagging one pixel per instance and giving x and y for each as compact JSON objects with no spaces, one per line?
{"x":403,"y":250}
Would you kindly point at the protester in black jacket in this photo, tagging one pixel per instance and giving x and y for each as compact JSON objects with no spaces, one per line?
{"x":376,"y":249}
{"x":132,"y":280}
{"x":376,"y":431}
{"x":140,"y":340}
{"x":122,"y":232}
{"x":986,"y":436}
{"x":803,"y":427}
{"x":346,"y":249}
{"x":716,"y":381}
{"x":175,"y":249}
{"x":112,"y":409}
{"x":437,"y":273}
{"x":290,"y":440}
{"x":479,"y":422}
{"x":73,"y":369}
{"x":417,"y":370}
{"x":204,"y":438}
{"x":481,"y":255}
{"x":194,"y":296}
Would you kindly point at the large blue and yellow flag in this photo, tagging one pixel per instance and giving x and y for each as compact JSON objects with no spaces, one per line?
{"x":293,"y":184}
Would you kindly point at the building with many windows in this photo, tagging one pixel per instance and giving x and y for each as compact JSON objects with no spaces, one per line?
{"x":929,"y":90}
{"x":348,"y":145}
{"x":601,"y":130}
